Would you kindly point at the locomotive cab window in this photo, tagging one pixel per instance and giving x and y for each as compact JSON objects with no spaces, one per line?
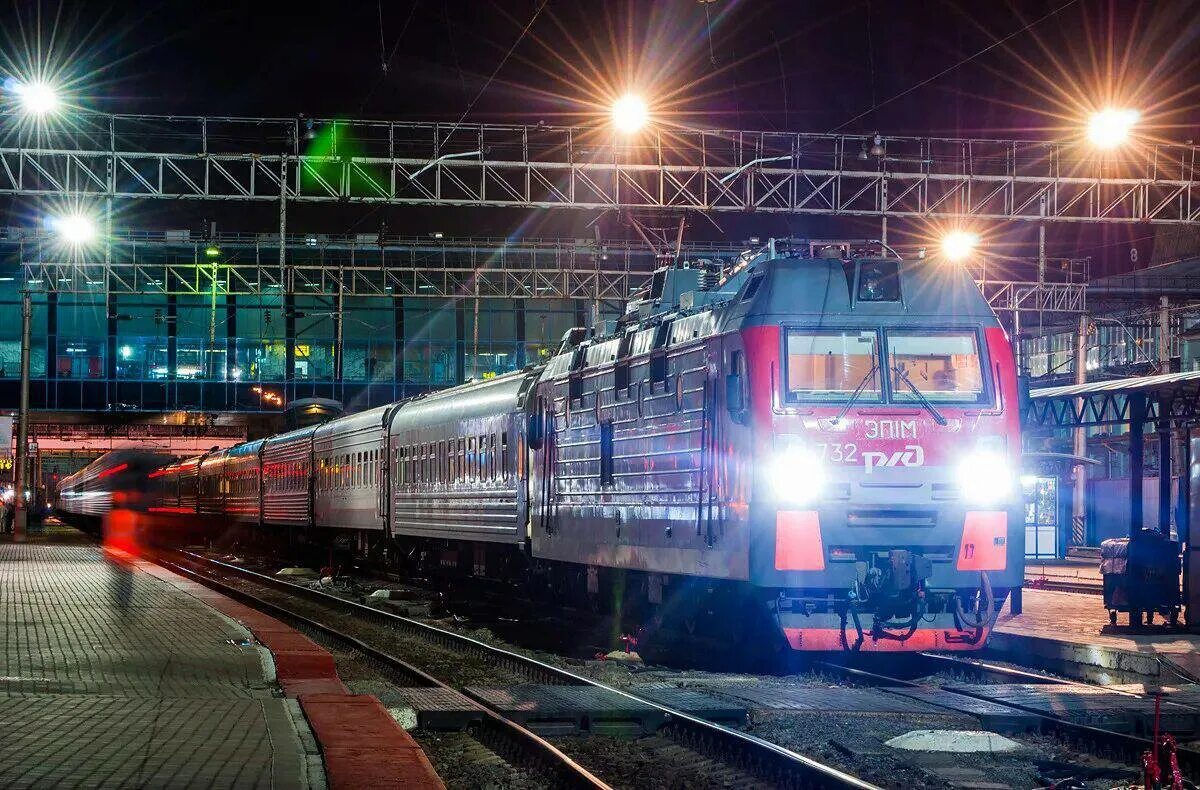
{"x":942,"y":367}
{"x":878,"y":281}
{"x":751,"y":287}
{"x":832,"y":365}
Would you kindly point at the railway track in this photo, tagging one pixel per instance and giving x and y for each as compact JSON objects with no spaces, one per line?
{"x":1099,"y":742}
{"x":1064,"y":585}
{"x":761,"y":760}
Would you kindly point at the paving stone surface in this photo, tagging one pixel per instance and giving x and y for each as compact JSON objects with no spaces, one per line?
{"x":110,"y":677}
{"x":1082,"y":619}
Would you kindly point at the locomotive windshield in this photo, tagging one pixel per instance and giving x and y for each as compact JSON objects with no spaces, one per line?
{"x":832,"y":365}
{"x":942,"y":367}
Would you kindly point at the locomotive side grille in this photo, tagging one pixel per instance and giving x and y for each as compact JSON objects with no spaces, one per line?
{"x":945,"y":491}
{"x":880,"y":517}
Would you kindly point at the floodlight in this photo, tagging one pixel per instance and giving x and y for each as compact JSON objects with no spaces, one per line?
{"x":959,"y":244}
{"x":630,"y":113}
{"x":36,"y":98}
{"x":76,"y":230}
{"x":1110,"y":128}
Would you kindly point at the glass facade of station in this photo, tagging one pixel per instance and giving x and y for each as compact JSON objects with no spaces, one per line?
{"x":222,"y":353}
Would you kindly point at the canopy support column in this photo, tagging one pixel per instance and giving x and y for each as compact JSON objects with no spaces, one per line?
{"x":1164,"y":470}
{"x":1137,"y":449}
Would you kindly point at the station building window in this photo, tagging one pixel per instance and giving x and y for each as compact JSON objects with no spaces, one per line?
{"x":491,"y":346}
{"x":368,"y":339}
{"x":262,"y":333}
{"x":10,"y":336}
{"x":201,"y":327}
{"x":141,"y":342}
{"x":314,"y":343}
{"x":430,"y":327}
{"x":546,"y":321}
{"x":82,"y":336}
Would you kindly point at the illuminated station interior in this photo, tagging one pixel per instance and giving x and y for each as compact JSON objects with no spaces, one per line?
{"x":694,"y":316}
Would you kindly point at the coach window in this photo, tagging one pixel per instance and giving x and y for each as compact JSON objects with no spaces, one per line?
{"x":658,"y":354}
{"x":606,"y":453}
{"x":504,"y":455}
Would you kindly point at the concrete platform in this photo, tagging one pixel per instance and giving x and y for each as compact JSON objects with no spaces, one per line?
{"x":1069,"y":633}
{"x":117,"y":673}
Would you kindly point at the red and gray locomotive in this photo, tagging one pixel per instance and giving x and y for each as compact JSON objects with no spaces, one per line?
{"x":819,"y":436}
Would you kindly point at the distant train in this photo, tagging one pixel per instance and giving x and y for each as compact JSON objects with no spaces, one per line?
{"x":117,"y":478}
{"x":822,"y":434}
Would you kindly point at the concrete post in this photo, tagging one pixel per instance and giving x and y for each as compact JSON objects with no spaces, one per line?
{"x":1137,"y":448}
{"x":20,"y":506}
{"x":1079,"y":473}
{"x":1164,"y":335}
{"x":1164,"y":471}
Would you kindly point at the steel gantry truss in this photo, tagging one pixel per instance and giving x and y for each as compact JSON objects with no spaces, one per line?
{"x":357,"y":265}
{"x":365,"y":265}
{"x":409,"y":163}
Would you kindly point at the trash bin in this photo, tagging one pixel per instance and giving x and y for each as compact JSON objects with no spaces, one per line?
{"x":1141,"y":576}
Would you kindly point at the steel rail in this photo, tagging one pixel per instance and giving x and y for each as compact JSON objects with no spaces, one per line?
{"x":543,"y":754}
{"x":766,"y":760}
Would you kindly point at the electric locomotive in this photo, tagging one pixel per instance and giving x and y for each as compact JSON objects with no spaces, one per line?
{"x":830,"y":428}
{"x":821,"y":438}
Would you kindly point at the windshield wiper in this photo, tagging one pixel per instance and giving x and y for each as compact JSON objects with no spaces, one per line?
{"x":937,"y":415}
{"x":857,"y":391}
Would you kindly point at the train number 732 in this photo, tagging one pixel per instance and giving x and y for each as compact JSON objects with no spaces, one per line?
{"x":839,"y":452}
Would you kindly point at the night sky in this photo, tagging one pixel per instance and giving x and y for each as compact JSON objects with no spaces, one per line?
{"x":970,"y":68}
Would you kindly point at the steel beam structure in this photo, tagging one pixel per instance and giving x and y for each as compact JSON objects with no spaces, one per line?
{"x":162,"y":262}
{"x":1170,"y":398}
{"x":498,"y":165}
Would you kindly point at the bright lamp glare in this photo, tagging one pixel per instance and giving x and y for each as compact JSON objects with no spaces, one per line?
{"x":959,"y":244}
{"x":1110,"y":128}
{"x":986,"y":478}
{"x":75,"y":229}
{"x":630,"y":113}
{"x":36,"y":98}
{"x":797,"y":476}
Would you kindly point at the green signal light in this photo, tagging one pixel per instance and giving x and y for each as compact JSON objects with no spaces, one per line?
{"x":212,"y":251}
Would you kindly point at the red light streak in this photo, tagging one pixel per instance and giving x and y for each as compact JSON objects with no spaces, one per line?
{"x":113,"y":471}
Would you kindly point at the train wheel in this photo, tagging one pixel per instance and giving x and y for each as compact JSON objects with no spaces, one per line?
{"x":1135,"y":618}
{"x":1112,"y":617}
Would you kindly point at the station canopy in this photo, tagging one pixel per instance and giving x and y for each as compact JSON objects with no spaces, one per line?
{"x":1174,"y":396}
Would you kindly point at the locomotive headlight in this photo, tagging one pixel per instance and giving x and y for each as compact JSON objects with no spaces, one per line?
{"x":985,"y":477}
{"x":796,"y":475}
